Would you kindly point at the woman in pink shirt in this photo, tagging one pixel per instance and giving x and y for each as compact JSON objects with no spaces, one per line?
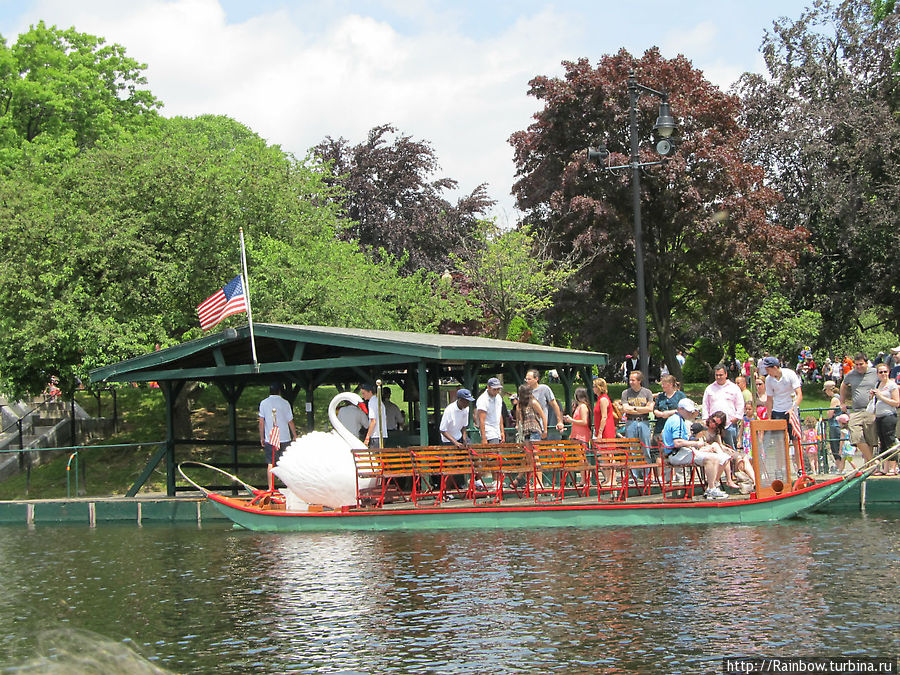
{"x":580,"y":417}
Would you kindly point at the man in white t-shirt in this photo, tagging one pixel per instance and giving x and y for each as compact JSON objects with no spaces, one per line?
{"x":377,"y":431}
{"x":489,"y":413}
{"x":783,"y":392}
{"x":456,"y":419}
{"x":275,"y":410}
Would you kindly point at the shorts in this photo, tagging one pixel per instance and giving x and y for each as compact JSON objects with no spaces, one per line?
{"x":786,"y":417}
{"x":687,"y":456}
{"x":267,"y":451}
{"x":862,"y":428}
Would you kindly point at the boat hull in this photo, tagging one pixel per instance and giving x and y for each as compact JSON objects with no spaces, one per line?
{"x":537,"y":516}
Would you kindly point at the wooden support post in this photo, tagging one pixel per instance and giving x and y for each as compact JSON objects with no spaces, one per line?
{"x":423,"y":403}
{"x":169,"y":394}
{"x":232,"y":392}
{"x":566,"y":375}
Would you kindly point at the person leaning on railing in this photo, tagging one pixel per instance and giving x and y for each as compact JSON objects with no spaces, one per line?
{"x":832,"y":426}
{"x":886,"y":396}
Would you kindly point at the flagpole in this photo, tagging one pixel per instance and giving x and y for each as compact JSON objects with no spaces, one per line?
{"x":273,"y":436}
{"x":247,"y":295}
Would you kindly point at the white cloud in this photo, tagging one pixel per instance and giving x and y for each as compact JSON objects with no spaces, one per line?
{"x":698,"y":40}
{"x":295,"y":77}
{"x":295,"y":84}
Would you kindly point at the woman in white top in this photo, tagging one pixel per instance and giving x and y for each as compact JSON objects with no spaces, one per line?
{"x":887,"y":398}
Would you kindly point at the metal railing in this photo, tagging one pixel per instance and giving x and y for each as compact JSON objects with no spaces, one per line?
{"x":19,"y":423}
{"x":74,"y":456}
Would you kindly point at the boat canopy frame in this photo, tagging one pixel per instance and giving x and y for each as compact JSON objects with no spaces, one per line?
{"x":304,"y":358}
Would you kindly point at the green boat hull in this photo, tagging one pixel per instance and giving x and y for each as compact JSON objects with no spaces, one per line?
{"x":539,"y":515}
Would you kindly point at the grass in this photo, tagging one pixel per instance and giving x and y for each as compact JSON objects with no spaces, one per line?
{"x":109,"y":471}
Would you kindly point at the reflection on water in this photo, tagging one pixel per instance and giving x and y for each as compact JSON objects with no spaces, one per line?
{"x":646,"y":600}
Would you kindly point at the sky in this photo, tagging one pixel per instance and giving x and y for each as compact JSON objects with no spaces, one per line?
{"x":452,"y":72}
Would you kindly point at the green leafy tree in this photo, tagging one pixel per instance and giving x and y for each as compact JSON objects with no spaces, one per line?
{"x":62,"y":91}
{"x":110,"y":256}
{"x":780,"y":329}
{"x":708,"y":241}
{"x":510,"y":274}
{"x":867,"y":333}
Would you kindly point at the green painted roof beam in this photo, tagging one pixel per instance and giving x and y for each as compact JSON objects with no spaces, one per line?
{"x":264,"y":368}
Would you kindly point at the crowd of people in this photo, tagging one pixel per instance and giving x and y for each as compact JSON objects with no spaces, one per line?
{"x":713,"y":434}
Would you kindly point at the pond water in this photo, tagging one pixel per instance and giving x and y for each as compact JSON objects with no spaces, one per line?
{"x":643,"y":600}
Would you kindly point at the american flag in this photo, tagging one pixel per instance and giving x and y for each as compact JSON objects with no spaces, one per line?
{"x":275,"y":436}
{"x":795,"y":423}
{"x":224,"y":302}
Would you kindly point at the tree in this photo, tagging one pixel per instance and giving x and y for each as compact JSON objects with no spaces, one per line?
{"x":393,"y":200}
{"x":110,"y":255}
{"x":708,"y":240}
{"x":62,"y":91}
{"x":780,"y":329}
{"x":826,"y":126}
{"x":881,"y":10}
{"x":510,"y":274}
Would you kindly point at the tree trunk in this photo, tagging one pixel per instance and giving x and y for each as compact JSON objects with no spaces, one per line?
{"x":181,"y":411}
{"x":659,"y":308}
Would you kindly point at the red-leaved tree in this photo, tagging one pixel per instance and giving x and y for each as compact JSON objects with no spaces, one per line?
{"x":395,"y":202}
{"x":709,"y":244}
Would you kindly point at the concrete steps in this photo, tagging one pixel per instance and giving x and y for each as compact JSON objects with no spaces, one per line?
{"x":44,"y":424}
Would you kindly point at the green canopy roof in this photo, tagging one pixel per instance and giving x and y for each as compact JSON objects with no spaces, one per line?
{"x":327,"y":354}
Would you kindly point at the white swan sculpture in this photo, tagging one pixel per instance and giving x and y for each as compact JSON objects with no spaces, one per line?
{"x":318,"y":467}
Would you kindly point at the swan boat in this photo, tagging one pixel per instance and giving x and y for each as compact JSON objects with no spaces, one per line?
{"x":323,"y":491}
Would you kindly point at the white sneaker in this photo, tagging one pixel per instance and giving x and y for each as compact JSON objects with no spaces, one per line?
{"x":716,"y":493}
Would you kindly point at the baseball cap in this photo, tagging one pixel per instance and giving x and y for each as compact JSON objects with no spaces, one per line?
{"x":771,"y":362}
{"x":687,"y":405}
{"x":494,"y":383}
{"x":464,"y":393}
{"x":829,"y":384}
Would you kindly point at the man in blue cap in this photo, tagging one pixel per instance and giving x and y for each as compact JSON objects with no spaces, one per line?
{"x":456,"y":419}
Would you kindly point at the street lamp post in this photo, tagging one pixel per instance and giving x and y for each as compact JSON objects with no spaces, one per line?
{"x":665,"y":125}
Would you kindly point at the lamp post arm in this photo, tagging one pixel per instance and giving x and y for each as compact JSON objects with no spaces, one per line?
{"x":639,"y":164}
{"x":636,"y":88}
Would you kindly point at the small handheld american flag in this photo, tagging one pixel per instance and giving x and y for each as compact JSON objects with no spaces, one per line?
{"x":274,"y":435}
{"x":275,"y":442}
